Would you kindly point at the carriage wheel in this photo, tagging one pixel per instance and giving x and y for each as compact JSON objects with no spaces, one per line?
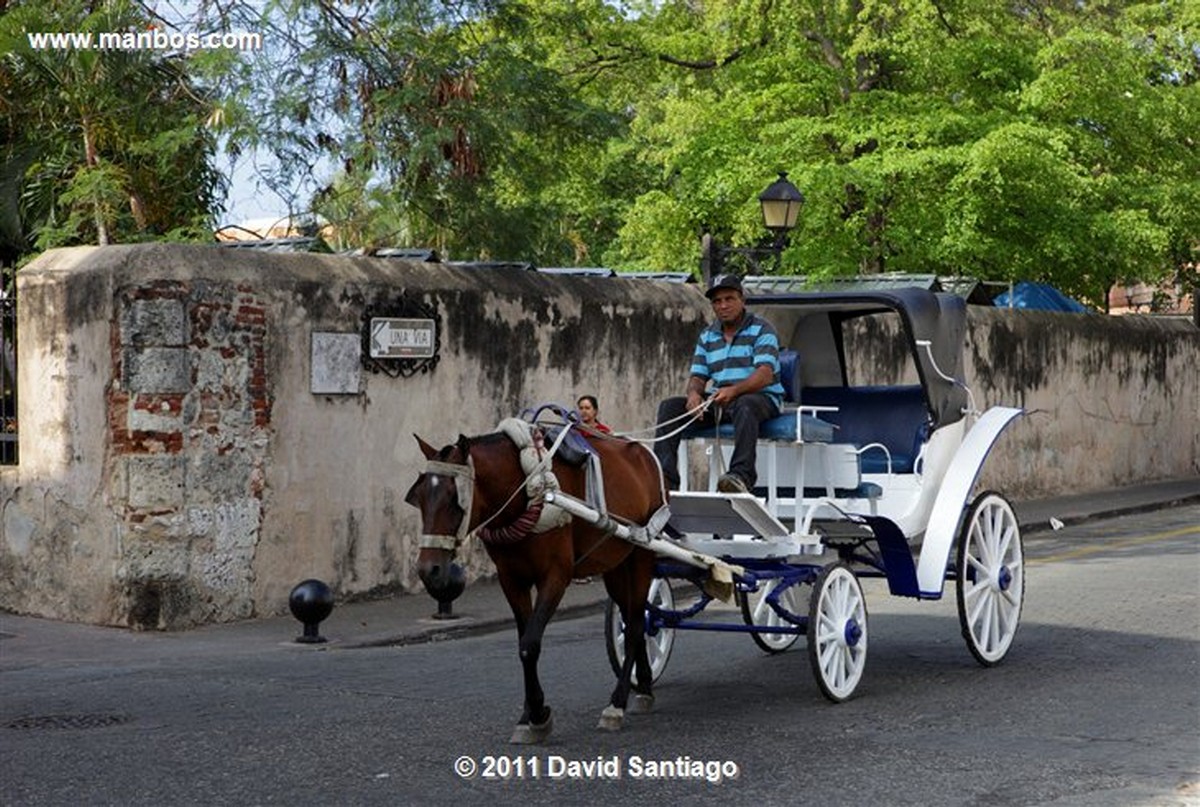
{"x":837,"y":632}
{"x":757,"y":611}
{"x":658,"y":646}
{"x":991,"y":578}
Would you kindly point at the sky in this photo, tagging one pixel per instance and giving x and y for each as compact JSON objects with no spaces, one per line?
{"x":249,"y":198}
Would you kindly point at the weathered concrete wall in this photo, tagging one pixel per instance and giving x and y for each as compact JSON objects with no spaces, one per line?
{"x":1110,"y":400}
{"x":177,"y":468}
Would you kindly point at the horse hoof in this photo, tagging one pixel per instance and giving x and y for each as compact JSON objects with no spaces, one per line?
{"x":532,"y":733}
{"x":611,"y":719}
{"x":641,"y":704}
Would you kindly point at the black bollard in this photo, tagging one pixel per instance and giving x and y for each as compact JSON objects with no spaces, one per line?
{"x":310,"y":602}
{"x":449,"y":593}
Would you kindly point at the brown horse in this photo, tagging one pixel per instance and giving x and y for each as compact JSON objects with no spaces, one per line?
{"x":489,"y":465}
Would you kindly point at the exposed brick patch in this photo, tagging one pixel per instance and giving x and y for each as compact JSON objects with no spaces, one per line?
{"x":215,"y":427}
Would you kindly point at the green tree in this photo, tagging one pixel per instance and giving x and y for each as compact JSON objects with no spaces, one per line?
{"x":446,"y":120}
{"x":1043,"y":139}
{"x":1040,"y":140}
{"x":99,"y":146}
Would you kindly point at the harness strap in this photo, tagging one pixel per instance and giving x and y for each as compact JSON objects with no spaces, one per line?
{"x":431,"y":540}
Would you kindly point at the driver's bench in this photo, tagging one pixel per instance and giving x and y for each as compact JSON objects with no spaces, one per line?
{"x":824,"y":444}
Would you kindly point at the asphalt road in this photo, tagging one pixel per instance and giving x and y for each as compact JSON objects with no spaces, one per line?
{"x":1097,"y":704}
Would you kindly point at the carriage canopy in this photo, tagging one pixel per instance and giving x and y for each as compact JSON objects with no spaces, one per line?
{"x":814,"y":325}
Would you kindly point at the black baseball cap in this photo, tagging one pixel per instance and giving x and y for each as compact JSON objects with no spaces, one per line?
{"x":724,"y":282}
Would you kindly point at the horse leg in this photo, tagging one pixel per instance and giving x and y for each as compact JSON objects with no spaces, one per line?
{"x":521,"y":603}
{"x":641,"y":576}
{"x":536,"y":722}
{"x":620,"y":585}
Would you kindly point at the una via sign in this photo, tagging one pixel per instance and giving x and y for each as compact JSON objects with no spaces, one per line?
{"x":393,"y":338}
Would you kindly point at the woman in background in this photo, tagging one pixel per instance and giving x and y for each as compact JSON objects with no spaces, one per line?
{"x":589,"y":408}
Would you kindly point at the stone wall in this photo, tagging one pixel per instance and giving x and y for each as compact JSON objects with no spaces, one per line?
{"x":177,"y":467}
{"x":186,"y":457}
{"x":1109,"y":401}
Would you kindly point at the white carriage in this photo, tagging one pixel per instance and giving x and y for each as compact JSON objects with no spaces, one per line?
{"x":857,"y":478}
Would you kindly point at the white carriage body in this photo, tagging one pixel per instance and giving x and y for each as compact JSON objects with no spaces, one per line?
{"x":868,"y":473}
{"x":804,"y":481}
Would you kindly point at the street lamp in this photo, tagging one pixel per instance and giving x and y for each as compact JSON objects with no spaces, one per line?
{"x":780,"y":203}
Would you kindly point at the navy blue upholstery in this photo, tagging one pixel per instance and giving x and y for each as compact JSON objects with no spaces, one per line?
{"x":789,"y":375}
{"x":895,"y":416}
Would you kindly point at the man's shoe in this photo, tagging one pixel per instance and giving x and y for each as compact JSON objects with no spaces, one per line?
{"x":729,"y":483}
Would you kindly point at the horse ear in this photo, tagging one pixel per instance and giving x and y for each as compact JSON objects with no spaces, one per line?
{"x":426,"y":449}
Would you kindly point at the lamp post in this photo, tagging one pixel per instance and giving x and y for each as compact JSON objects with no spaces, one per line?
{"x":780,"y":203}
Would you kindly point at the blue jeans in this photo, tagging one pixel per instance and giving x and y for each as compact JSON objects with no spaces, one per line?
{"x":746,"y":413}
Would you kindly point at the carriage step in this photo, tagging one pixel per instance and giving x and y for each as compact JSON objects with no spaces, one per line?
{"x":724,"y":514}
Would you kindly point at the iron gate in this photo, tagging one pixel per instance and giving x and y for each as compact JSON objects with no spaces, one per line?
{"x":8,"y":380}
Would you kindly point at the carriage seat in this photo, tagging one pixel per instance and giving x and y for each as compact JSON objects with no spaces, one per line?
{"x":783,"y":426}
{"x":895,"y":416}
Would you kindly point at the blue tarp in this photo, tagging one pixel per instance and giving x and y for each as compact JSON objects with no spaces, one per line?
{"x":1039,"y":297}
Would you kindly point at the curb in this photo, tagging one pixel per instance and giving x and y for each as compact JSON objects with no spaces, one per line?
{"x":1035,"y":527}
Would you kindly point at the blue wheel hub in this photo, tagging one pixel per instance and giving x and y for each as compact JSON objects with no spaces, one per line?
{"x":1005,"y":578}
{"x":852,"y":633}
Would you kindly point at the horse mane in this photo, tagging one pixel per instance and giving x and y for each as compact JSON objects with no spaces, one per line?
{"x":465,"y":443}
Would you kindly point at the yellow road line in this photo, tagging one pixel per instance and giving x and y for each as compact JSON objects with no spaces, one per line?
{"x":1097,"y":548}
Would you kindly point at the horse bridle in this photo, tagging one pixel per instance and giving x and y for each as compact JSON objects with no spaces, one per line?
{"x":464,"y":477}
{"x":465,"y":488}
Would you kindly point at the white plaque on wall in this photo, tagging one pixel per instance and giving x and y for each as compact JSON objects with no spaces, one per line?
{"x":336,"y":363}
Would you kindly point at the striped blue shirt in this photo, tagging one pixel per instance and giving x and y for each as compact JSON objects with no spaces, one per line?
{"x":728,"y":363}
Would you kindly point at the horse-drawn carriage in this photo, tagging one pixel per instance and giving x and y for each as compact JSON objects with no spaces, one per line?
{"x":860,"y":476}
{"x":859,"y":480}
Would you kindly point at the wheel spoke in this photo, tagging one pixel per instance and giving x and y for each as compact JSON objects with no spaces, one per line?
{"x":973,"y":615}
{"x":1004,"y":618}
{"x":979,"y":538}
{"x":1006,"y":541}
{"x":828,"y":653}
{"x":995,"y":624}
{"x":761,"y":611}
{"x":997,"y":525}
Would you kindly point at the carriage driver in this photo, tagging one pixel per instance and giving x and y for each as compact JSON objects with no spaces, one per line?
{"x":739,"y":353}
